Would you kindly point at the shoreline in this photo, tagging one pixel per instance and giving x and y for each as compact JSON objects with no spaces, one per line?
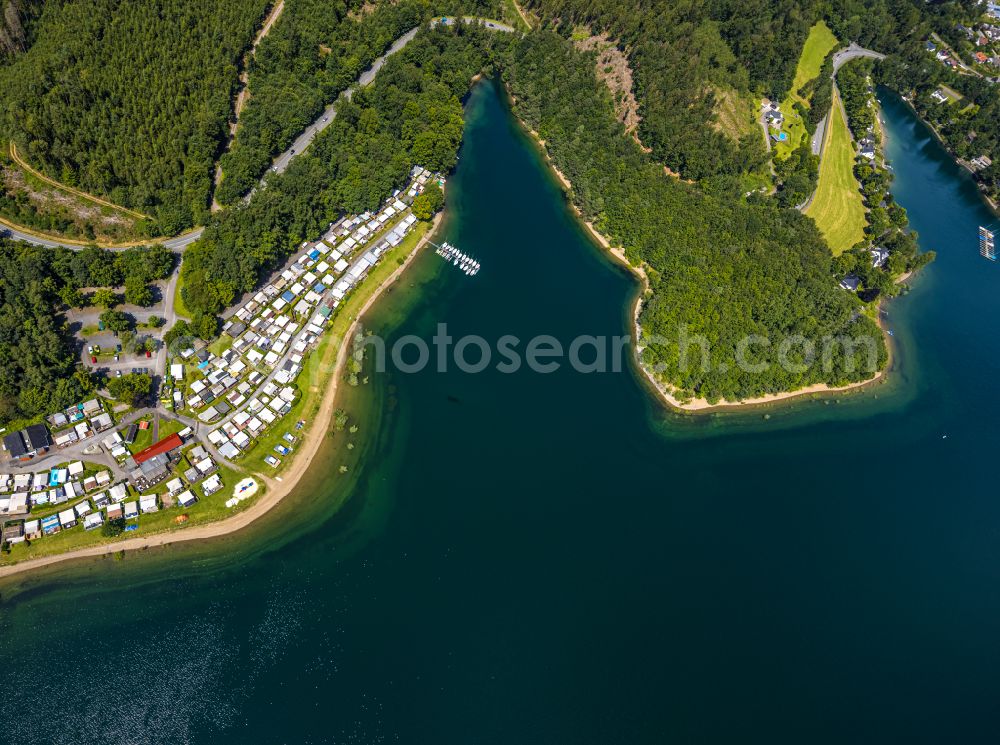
{"x":994,"y":207}
{"x":276,"y":490}
{"x":666,"y":396}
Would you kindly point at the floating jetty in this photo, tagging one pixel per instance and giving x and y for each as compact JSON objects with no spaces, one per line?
{"x":987,"y":243}
{"x":457,"y":258}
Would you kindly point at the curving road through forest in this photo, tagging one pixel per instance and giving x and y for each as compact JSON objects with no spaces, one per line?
{"x":178,"y":243}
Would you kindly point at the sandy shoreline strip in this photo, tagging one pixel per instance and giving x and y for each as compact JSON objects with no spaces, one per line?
{"x":276,"y":490}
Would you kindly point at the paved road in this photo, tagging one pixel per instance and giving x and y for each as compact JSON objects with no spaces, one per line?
{"x":817,"y":139}
{"x":178,"y":243}
{"x":280,"y":164}
{"x":840,"y":59}
{"x":853,"y":51}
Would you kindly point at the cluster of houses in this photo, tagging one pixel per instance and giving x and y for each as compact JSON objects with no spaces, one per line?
{"x":67,"y":484}
{"x":942,"y":55}
{"x":879,"y":257}
{"x":244,"y":389}
{"x":79,"y":422}
{"x":249,"y":386}
{"x":163,"y":459}
{"x":54,"y":486}
{"x":76,"y":423}
{"x":983,"y":37}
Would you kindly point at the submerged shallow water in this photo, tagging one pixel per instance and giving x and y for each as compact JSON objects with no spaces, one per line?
{"x":555,"y":558}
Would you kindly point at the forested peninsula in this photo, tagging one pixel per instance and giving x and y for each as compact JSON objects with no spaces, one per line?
{"x":650,"y":109}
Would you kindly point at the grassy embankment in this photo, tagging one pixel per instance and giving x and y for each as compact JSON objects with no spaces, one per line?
{"x":837,"y":207}
{"x":819,"y":44}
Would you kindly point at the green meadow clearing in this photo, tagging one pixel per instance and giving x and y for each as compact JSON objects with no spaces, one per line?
{"x":837,"y":206}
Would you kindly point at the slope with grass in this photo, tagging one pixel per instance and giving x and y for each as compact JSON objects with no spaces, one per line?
{"x":819,"y":44}
{"x":837,"y":207}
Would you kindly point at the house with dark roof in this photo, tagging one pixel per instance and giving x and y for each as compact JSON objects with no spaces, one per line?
{"x":27,"y":442}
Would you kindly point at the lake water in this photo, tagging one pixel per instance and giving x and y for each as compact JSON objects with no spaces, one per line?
{"x":532,"y":558}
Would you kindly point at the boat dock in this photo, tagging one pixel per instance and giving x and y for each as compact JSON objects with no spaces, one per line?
{"x":457,"y":258}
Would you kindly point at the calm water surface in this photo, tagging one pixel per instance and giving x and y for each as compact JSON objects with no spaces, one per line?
{"x":555,"y":559}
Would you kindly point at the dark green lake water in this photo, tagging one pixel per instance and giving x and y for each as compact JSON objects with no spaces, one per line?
{"x":553,"y":558}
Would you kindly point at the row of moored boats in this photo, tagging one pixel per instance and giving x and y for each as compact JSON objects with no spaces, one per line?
{"x":459,"y":259}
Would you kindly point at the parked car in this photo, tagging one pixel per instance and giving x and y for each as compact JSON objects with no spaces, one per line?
{"x":148,"y":354}
{"x":118,"y":373}
{"x":116,"y":359}
{"x":90,"y":349}
{"x":93,"y":360}
{"x":118,"y":348}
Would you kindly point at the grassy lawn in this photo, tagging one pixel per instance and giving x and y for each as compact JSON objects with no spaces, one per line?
{"x":143,"y":438}
{"x":820,"y":43}
{"x":220,"y":345}
{"x":837,"y":207}
{"x":179,"y":308}
{"x":953,"y":95}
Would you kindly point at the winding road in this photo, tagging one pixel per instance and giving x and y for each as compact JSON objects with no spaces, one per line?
{"x":840,"y":59}
{"x":178,"y":243}
{"x":304,"y":140}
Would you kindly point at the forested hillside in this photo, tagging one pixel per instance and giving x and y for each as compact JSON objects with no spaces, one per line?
{"x":681,"y":52}
{"x":720,"y":268}
{"x":129,"y":99}
{"x":316,"y":51}
{"x":411,"y":114}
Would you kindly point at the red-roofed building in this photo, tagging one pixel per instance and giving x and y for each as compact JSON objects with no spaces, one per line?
{"x":165,"y":445}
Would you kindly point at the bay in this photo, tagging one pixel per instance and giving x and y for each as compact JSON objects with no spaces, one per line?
{"x":555,"y":558}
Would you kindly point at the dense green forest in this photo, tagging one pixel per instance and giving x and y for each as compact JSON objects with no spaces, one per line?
{"x":682,"y":53}
{"x":130,"y":100}
{"x":38,"y":361}
{"x":411,"y":114}
{"x":720,"y":268}
{"x":723,"y":263}
{"x":315,"y":52}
